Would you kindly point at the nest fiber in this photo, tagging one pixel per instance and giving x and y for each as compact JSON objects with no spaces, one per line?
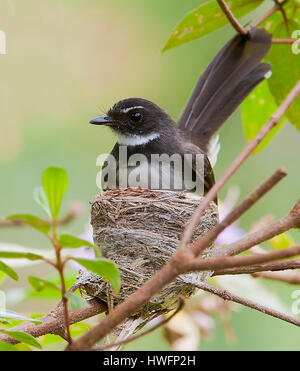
{"x":139,"y":230}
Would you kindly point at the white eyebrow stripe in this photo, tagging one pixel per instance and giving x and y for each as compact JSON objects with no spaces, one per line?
{"x":125,"y":110}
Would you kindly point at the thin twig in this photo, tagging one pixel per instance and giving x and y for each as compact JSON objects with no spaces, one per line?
{"x":291,"y":277}
{"x":60,"y":269}
{"x":274,"y":266}
{"x":267,"y":15}
{"x":224,"y":294}
{"x":234,"y":22}
{"x":285,"y":41}
{"x":238,"y":261}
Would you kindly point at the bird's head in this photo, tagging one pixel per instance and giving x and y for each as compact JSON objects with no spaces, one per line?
{"x":135,"y":117}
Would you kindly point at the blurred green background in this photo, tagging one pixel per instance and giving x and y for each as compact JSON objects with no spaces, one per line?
{"x":68,"y":61}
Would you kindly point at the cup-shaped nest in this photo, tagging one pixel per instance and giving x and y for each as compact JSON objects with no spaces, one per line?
{"x":139,"y":229}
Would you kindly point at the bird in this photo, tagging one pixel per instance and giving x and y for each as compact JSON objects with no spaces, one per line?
{"x":154,"y":152}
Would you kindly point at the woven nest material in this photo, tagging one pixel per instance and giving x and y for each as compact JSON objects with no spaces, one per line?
{"x":139,"y":230}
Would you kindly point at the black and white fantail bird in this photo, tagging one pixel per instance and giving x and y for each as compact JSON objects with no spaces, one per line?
{"x":145,"y":129}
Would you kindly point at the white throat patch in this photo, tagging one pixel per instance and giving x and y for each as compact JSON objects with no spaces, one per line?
{"x":136,"y":140}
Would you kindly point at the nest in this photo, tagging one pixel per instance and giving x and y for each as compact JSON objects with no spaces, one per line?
{"x":139,"y":229}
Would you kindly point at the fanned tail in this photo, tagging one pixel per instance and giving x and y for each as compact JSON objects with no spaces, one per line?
{"x":226,"y":82}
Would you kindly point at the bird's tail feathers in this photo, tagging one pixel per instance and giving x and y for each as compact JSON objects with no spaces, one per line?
{"x":231,"y":76}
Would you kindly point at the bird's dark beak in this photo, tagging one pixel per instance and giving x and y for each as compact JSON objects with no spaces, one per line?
{"x":104,"y":120}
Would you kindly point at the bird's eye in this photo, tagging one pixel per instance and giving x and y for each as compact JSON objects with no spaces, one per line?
{"x":135,"y":116}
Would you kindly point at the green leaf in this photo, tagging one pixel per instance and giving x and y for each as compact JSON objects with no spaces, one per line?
{"x":55,"y":184}
{"x":7,"y":347}
{"x":48,"y":293}
{"x":40,"y":197}
{"x":22,"y":337}
{"x":104,"y":268}
{"x":9,"y":271}
{"x":76,"y":302}
{"x":8,"y":314}
{"x":39,"y":284}
{"x":32,"y":220}
{"x":66,"y":240}
{"x":20,"y":255}
{"x":2,"y":277}
{"x":285,"y":71}
{"x":256,"y":110}
{"x":206,"y":19}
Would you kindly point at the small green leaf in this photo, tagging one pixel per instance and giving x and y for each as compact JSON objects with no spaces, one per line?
{"x":40,"y":197}
{"x":48,"y":293}
{"x":22,"y":337}
{"x":55,"y":184}
{"x":206,"y":19}
{"x":9,"y":271}
{"x":8,"y":314}
{"x":32,"y":220}
{"x":39,"y":284}
{"x":285,"y":71}
{"x":20,"y":255}
{"x":76,"y":302}
{"x":6,"y":347}
{"x":68,"y":240}
{"x":256,"y":110}
{"x":104,"y":268}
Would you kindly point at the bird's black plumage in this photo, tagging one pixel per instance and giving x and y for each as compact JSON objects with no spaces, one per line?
{"x":147,"y":129}
{"x":226,"y":82}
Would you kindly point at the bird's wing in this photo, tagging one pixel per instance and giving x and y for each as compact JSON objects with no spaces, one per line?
{"x":230,"y":77}
{"x":199,"y":165}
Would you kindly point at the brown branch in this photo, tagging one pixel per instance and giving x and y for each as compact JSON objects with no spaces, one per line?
{"x":53,"y":322}
{"x":231,"y":18}
{"x":290,"y":276}
{"x":292,"y":220}
{"x":153,"y":328}
{"x":274,"y":266}
{"x":235,"y":165}
{"x":224,"y":294}
{"x":199,"y":245}
{"x":238,"y":261}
